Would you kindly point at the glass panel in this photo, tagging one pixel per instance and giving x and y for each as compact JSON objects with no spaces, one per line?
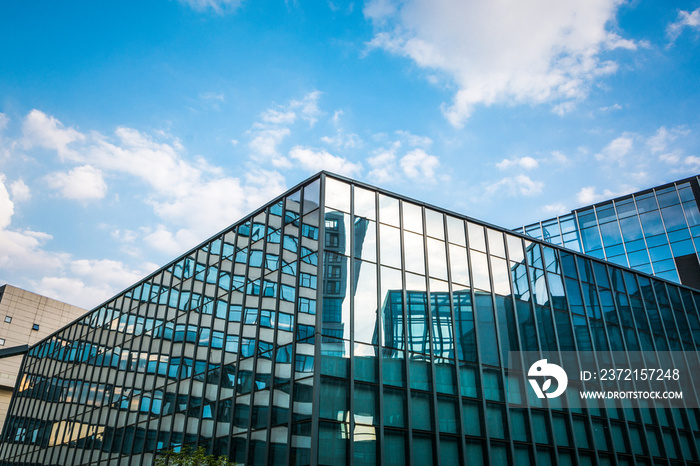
{"x":395,"y":448}
{"x":388,"y":210}
{"x":434,"y":224}
{"x":422,"y":413}
{"x":476,"y":237}
{"x":412,"y":217}
{"x":480,"y":271}
{"x":364,"y":203}
{"x":366,"y":404}
{"x":390,"y":246}
{"x":392,"y":308}
{"x":486,"y":328}
{"x":414,"y":255}
{"x":515,"y":249}
{"x":365,"y":234}
{"x":337,"y":194}
{"x":455,"y":231}
{"x":496,"y":246}
{"x":458,"y":265}
{"x":437,"y":260}
{"x":365,"y":303}
{"x":501,"y":276}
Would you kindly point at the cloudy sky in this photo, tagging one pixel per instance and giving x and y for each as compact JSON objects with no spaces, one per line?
{"x":131,"y":131}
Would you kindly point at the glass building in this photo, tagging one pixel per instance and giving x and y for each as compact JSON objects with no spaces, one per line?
{"x":656,"y":231}
{"x":344,"y":325}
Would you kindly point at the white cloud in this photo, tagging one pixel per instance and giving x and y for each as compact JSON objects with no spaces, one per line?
{"x":316,"y":160}
{"x":308,"y":107}
{"x":542,"y":51}
{"x":82,"y":183}
{"x":165,"y":241}
{"x":21,"y":250}
{"x":41,"y":130}
{"x":264,"y":146}
{"x":343,"y":140}
{"x":217,"y":6}
{"x":559,"y":157}
{"x":383,"y":165}
{"x":520,"y":185}
{"x":684,"y":19}
{"x":527,"y":163}
{"x":616,"y":150}
{"x":274,"y":126}
{"x":417,"y":164}
{"x":414,"y":140}
{"x":278,"y":117}
{"x":89,"y":282}
{"x":213,"y":96}
{"x":4,"y":120}
{"x":588,"y":194}
{"x":188,"y":195}
{"x":663,"y":137}
{"x":555,"y":209}
{"x":20,"y":191}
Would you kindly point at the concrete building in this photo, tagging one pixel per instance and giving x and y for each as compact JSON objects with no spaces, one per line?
{"x":25,"y":319}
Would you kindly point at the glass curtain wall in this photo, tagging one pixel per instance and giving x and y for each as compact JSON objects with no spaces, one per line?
{"x":216,"y":349}
{"x":370,"y":330}
{"x":655,"y":231}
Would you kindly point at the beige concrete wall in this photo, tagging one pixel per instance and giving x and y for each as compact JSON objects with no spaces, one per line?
{"x":26,"y":309}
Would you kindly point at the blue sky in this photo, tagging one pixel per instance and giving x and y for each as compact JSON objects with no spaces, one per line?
{"x":132,"y":131}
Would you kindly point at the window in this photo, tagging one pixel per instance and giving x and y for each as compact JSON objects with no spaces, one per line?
{"x":35,"y":327}
{"x":2,"y":342}
{"x":8,"y":319}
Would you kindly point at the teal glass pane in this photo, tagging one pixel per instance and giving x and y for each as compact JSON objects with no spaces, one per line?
{"x":394,"y":407}
{"x":334,"y":402}
{"x":468,"y":380}
{"x":365,"y":359}
{"x":394,"y":369}
{"x":520,"y":429}
{"x":420,"y":374}
{"x":421,"y":411}
{"x":499,"y":454}
{"x":471,"y":413}
{"x":332,"y":443}
{"x":365,"y":446}
{"x":487,"y":329}
{"x":523,"y":456}
{"x":422,"y":449}
{"x":395,"y":448}
{"x":541,"y":427}
{"x":448,"y":416}
{"x":449,"y":450}
{"x":493,"y":386}
{"x":561,"y":429}
{"x":475,"y":452}
{"x":445,"y":377}
{"x":366,"y":402}
{"x":495,"y":421}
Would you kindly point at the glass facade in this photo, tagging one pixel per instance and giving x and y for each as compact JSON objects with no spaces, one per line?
{"x":342,"y":324}
{"x":656,"y":231}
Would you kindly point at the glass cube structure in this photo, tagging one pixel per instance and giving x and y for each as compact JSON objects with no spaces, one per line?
{"x":344,"y":325}
{"x":656,"y":231}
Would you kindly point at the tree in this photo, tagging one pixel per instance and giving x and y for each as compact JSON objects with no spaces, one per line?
{"x":189,"y":457}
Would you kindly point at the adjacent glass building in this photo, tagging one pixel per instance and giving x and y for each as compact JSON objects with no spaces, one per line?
{"x":656,"y":231}
{"x":344,"y":325}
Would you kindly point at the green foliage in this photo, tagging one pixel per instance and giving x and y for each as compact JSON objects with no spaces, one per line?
{"x":188,"y":457}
